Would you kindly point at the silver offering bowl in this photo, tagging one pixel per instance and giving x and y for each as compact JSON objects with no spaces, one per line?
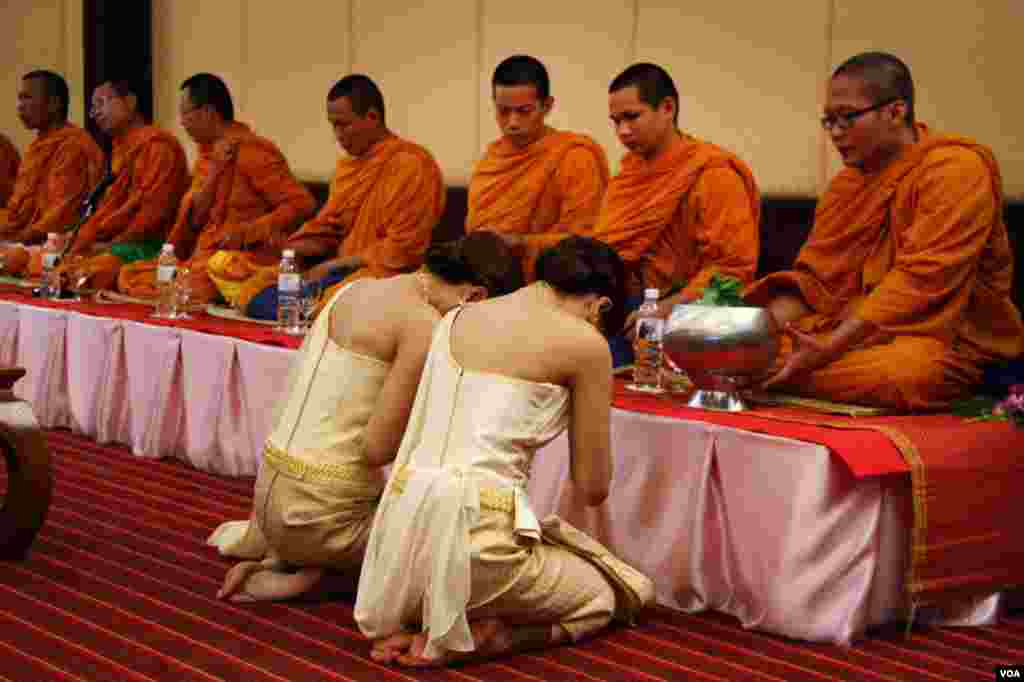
{"x":721,"y":348}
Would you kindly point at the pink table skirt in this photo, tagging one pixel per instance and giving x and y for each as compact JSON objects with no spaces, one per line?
{"x":162,"y":390}
{"x":775,"y":531}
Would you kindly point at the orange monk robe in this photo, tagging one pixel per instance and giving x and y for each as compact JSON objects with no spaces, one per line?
{"x":678,"y":219}
{"x":920,"y":250}
{"x":258,"y":200}
{"x":9,"y":162}
{"x":382,"y":208}
{"x":543,"y":193}
{"x":151,"y":174}
{"x":59,"y":168}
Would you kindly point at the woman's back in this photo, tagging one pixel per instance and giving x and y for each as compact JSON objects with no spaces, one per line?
{"x":344,"y":366}
{"x":523,"y":336}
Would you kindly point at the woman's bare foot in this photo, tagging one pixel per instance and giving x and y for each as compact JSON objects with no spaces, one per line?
{"x":491,"y":637}
{"x":266,"y":581}
{"x":236,"y":577}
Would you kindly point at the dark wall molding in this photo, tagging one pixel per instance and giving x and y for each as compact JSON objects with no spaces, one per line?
{"x":118,"y":44}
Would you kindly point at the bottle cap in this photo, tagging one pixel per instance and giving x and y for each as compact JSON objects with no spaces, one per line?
{"x":288,"y":253}
{"x":651,"y":293}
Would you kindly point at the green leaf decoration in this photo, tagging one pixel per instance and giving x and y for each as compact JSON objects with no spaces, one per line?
{"x":722,"y":290}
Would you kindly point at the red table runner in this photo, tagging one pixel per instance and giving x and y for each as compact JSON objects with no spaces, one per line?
{"x":136,"y":312}
{"x":965,"y":477}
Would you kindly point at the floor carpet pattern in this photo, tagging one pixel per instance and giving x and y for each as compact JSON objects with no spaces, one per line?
{"x":120,"y":585}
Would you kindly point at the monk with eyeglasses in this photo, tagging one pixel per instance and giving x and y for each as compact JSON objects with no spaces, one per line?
{"x":902,"y":292}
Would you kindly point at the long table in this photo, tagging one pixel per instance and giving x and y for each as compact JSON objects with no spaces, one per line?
{"x":776,"y":531}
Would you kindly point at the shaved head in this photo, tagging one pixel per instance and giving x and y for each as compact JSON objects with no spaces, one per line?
{"x":885,"y":78}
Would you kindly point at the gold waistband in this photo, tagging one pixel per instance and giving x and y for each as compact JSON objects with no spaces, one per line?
{"x":496,"y":499}
{"x":325,"y":472}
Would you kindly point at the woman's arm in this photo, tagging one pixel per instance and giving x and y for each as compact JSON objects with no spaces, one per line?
{"x":590,"y":459}
{"x":394,"y":404}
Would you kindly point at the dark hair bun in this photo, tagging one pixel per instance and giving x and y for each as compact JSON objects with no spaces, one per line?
{"x":481,"y":257}
{"x":581,"y":265}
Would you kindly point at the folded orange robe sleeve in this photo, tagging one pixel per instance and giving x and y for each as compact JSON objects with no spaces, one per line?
{"x":327,"y":227}
{"x":581,"y":179}
{"x":725,"y":227}
{"x":543,"y":193}
{"x":934,"y":271}
{"x":9,"y":162}
{"x":142,"y":201}
{"x":394,"y":230}
{"x":72,"y":176}
{"x":59,"y":169}
{"x":267,"y":174}
{"x":382,"y":208}
{"x":678,"y":218}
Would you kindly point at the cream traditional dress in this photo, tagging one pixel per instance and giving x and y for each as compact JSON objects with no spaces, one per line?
{"x":315,"y":493}
{"x":454,"y":538}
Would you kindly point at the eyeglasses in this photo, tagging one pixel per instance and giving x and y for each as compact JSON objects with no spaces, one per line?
{"x":100,"y":104}
{"x":844,"y":120}
{"x":185,"y":112}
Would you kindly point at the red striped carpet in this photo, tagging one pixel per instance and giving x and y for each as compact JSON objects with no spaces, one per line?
{"x":119,"y":586}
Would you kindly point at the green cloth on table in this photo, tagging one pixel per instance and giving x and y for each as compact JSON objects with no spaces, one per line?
{"x":129,"y":252}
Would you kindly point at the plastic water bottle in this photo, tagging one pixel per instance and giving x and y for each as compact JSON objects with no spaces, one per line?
{"x":289,"y":295}
{"x":51,"y":277}
{"x":166,"y":269}
{"x":647,"y":345}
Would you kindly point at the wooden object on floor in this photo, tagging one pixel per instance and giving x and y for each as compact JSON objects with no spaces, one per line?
{"x":29,"y":476}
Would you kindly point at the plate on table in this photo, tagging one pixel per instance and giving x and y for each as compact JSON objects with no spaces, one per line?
{"x":107,"y":296}
{"x":20,"y":282}
{"x":232,"y":314}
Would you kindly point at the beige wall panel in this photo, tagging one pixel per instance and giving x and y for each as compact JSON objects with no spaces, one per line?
{"x":74,"y":58}
{"x":965,"y":61}
{"x":37,"y":35}
{"x":424,"y":56}
{"x":583,"y":44}
{"x":294,"y":57}
{"x":190,"y":36}
{"x":749,"y":76}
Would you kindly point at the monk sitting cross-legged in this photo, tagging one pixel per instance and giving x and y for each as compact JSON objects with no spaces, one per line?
{"x":243,"y":200}
{"x":680,"y":209}
{"x":535,"y":185}
{"x":60,"y":167}
{"x":902,"y":292}
{"x":10,"y":159}
{"x":150,"y":176}
{"x":386,"y":196}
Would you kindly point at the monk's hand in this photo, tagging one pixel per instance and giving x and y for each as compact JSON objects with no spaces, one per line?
{"x":318,"y":272}
{"x":809,"y":353}
{"x":233,"y":239}
{"x":513,"y":241}
{"x":224,"y":153}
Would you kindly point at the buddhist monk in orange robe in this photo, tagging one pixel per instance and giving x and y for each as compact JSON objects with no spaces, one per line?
{"x":59,"y":168}
{"x":10,"y":159}
{"x":385,"y":199}
{"x":902,"y":292}
{"x":243,"y":198}
{"x":534,"y":185}
{"x":680,"y":209}
{"x":138,"y":208}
